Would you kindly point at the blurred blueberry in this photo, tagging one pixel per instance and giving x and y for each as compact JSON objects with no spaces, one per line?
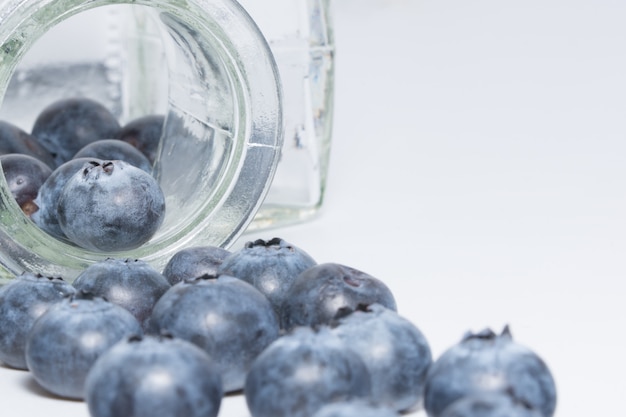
{"x":193,"y":262}
{"x":130,"y":283}
{"x":67,"y":339}
{"x":112,"y":206}
{"x":271,"y":266}
{"x":489,"y":404}
{"x":321,"y":292}
{"x":67,"y":125}
{"x":15,"y":140}
{"x":395,"y":351}
{"x":487,"y":362}
{"x":355,"y":408}
{"x":112,"y":149}
{"x":152,"y":377}
{"x":301,"y":372}
{"x":45,"y":217}
{"x":227,"y":317}
{"x":24,"y":175}
{"x":22,"y":301}
{"x":144,"y":133}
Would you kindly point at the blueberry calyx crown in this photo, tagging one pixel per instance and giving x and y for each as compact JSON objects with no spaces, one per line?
{"x":138,"y":338}
{"x":488,"y":335}
{"x":107,"y":167}
{"x":276,"y":241}
{"x":345,"y":311}
{"x":352,"y":281}
{"x":84,"y":294}
{"x":201,"y":278}
{"x":42,"y":277}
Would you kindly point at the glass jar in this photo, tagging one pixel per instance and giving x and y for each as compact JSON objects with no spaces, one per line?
{"x":300,"y":34}
{"x":204,"y":64}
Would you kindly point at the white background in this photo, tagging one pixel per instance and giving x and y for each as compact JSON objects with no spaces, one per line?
{"x":479,"y":169}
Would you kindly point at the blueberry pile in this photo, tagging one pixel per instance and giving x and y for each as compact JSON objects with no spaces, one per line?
{"x":295,"y":337}
{"x":85,"y":179}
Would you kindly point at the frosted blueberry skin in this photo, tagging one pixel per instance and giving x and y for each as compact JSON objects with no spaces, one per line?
{"x":225,"y":316}
{"x":395,"y":351}
{"x":487,"y":362}
{"x":153,"y":376}
{"x":301,"y":372}
{"x":22,"y":301}
{"x":15,"y":140}
{"x":111,"y":206}
{"x":24,"y":175}
{"x":194,"y":262}
{"x":491,"y":404}
{"x":67,"y":339}
{"x":144,"y":133}
{"x":115,"y":149}
{"x":67,"y":125}
{"x":271,"y":266}
{"x":355,"y":408}
{"x":45,"y":216}
{"x":323,"y":291}
{"x":130,"y":283}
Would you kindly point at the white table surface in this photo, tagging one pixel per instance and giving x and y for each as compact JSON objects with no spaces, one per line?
{"x":479,"y":169}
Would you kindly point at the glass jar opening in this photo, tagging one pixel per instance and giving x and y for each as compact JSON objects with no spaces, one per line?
{"x":203,"y":65}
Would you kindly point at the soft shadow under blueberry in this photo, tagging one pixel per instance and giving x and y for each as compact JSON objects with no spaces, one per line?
{"x":30,"y":384}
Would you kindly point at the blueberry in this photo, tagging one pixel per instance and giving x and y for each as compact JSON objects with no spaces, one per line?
{"x":130,"y":283}
{"x":67,"y":125}
{"x":67,"y":339}
{"x":321,"y":292}
{"x":355,"y":408}
{"x":144,"y":133}
{"x":22,"y":301}
{"x":112,"y":149}
{"x":193,"y":262}
{"x":489,"y":404}
{"x":111,"y":206}
{"x":15,"y":140}
{"x":24,"y":175}
{"x":301,"y":372}
{"x":153,"y":376}
{"x":487,"y":362}
{"x":225,"y":316}
{"x":395,"y":351}
{"x":271,"y":266}
{"x":47,"y":198}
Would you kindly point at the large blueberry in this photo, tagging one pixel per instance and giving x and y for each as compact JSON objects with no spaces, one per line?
{"x":15,"y":140}
{"x":47,"y":199}
{"x":130,"y":283}
{"x":489,"y":404}
{"x":112,"y":206}
{"x":301,"y":372}
{"x":192,"y":262}
{"x":144,"y":133}
{"x":67,"y":339}
{"x":22,"y":301}
{"x":488,"y":362}
{"x":24,"y":175}
{"x":112,"y":149}
{"x":151,"y":377}
{"x":227,"y":317}
{"x":323,"y":291}
{"x":67,"y":125}
{"x":271,"y":266}
{"x":394,"y":350}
